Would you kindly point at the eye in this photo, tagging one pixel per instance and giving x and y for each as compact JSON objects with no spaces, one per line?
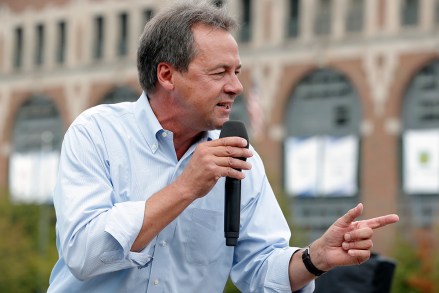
{"x":219,"y":73}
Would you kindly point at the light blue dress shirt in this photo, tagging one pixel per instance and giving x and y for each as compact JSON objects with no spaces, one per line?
{"x":114,"y":157}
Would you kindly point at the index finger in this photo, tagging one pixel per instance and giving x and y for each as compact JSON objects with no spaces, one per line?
{"x":379,"y":222}
{"x":229,"y":141}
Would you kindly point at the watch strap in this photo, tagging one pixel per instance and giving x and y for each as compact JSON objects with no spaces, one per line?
{"x":306,"y":258}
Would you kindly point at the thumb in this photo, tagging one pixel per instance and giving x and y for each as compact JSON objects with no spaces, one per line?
{"x":350,"y":216}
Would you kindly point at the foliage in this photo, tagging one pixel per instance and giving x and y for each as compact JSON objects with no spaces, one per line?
{"x":230,"y":287}
{"x":27,"y":246}
{"x":416,"y":270}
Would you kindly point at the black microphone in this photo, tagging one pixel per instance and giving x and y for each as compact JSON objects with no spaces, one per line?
{"x":232,"y":202}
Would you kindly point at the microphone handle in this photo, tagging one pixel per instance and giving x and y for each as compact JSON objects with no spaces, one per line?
{"x":232,"y":210}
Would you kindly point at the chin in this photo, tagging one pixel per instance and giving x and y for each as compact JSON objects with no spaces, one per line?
{"x":220,"y":123}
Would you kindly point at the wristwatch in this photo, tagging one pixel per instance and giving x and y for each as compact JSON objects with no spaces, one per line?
{"x":306,"y":258}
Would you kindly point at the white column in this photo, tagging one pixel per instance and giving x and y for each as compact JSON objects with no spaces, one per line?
{"x":6,"y":41}
{"x":339,"y":18}
{"x":258,"y":23}
{"x":50,"y":43}
{"x":4,"y":108}
{"x":307,"y":19}
{"x":371,"y":19}
{"x":426,"y":14}
{"x":279,"y":21}
{"x":85,"y":32}
{"x":111,"y":33}
{"x":28,"y":42}
{"x":135,"y":24}
{"x":76,"y":49}
{"x":393,"y":16}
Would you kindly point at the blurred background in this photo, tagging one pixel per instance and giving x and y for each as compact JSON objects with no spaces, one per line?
{"x":341,"y":101}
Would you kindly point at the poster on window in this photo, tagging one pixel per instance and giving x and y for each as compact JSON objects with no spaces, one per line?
{"x":32,"y":176}
{"x":339,"y":166}
{"x":301,"y":165}
{"x":421,"y":161}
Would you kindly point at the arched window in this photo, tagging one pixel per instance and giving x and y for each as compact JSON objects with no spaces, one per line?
{"x":420,"y":145}
{"x":120,"y":94}
{"x":36,"y":142}
{"x":322,"y":149}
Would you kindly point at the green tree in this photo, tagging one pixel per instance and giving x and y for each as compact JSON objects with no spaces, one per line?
{"x":416,"y":270}
{"x":26,"y":259}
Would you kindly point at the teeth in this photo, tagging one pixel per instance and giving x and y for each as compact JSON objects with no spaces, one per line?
{"x":224,"y":105}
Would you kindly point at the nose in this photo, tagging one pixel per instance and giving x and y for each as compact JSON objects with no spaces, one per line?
{"x":234,"y":86}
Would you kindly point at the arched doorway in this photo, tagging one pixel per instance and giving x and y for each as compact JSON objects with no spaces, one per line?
{"x":321,"y":150}
{"x":36,"y":143}
{"x":420,"y":147}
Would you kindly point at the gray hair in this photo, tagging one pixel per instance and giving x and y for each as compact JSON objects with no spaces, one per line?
{"x":168,"y":37}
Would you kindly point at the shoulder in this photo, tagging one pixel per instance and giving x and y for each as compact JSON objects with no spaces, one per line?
{"x":104,"y":113}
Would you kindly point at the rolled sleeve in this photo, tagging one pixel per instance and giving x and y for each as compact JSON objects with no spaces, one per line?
{"x":277,"y":278}
{"x":124,"y":224}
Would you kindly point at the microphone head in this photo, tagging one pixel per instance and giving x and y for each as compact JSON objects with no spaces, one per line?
{"x":234,"y":128}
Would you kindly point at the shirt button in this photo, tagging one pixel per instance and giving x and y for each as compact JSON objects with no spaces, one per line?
{"x":154,"y":147}
{"x":156,"y":282}
{"x":163,"y":243}
{"x":164,"y":134}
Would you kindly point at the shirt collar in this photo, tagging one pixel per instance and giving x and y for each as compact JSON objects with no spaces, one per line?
{"x":147,"y":122}
{"x":150,"y":126}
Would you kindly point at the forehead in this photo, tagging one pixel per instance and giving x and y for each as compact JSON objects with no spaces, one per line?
{"x":210,"y":41}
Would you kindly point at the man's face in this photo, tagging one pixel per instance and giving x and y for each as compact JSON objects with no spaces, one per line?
{"x":205,"y":93}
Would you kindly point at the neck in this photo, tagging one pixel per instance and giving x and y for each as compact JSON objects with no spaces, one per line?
{"x":182,"y":144}
{"x":184,"y":136}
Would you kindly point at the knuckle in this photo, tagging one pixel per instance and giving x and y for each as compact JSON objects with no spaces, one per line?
{"x":211,"y":169}
{"x":229,"y":151}
{"x":201,"y":149}
{"x":231,"y":172}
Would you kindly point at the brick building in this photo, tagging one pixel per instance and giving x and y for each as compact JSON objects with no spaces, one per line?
{"x":341,"y":94}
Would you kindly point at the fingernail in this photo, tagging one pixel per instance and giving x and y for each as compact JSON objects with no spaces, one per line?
{"x":347,"y":237}
{"x":244,"y":142}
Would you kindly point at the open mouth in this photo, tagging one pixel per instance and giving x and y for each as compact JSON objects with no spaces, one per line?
{"x":224,"y":105}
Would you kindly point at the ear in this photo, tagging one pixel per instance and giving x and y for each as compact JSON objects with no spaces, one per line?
{"x":164,"y":75}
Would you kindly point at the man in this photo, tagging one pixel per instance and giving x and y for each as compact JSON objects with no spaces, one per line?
{"x":140,"y":192}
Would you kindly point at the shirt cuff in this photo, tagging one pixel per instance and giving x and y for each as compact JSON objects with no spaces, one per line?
{"x":125,"y":222}
{"x":277,"y":278}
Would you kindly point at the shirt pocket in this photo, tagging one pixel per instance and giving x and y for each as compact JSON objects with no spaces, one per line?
{"x":205,"y":236}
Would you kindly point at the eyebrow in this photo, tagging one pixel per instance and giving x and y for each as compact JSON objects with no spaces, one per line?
{"x":226,"y":67}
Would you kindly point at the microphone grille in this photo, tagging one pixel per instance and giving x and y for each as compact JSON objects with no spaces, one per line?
{"x":234,"y":128}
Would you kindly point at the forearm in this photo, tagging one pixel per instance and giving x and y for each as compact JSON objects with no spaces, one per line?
{"x":299,"y":275}
{"x":160,"y":210}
